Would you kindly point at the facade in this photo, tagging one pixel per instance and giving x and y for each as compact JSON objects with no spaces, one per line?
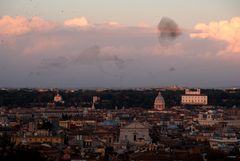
{"x":95,"y":99}
{"x":194,"y":97}
{"x":209,"y":118}
{"x":135,"y":134}
{"x":38,"y":139}
{"x":226,"y":138}
{"x":159,"y":103}
{"x":220,"y":142}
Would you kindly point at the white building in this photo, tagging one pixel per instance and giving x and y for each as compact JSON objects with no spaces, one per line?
{"x":159,"y":103}
{"x":95,"y":99}
{"x":135,"y":134}
{"x":194,"y":97}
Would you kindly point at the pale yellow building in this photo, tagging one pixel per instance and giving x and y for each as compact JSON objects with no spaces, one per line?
{"x":194,"y":97}
{"x":38,"y":139}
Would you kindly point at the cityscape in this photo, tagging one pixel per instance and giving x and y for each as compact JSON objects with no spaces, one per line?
{"x":119,"y":80}
{"x":176,"y":123}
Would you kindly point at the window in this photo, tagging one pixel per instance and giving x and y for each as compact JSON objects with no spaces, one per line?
{"x":134,"y":137}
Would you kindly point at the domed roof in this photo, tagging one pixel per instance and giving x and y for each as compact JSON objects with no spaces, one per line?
{"x":159,"y":99}
{"x":159,"y":103}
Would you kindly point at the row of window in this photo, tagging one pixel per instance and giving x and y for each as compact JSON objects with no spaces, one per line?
{"x":194,"y":97}
{"x":44,"y":139}
{"x":134,"y":137}
{"x":194,"y":100}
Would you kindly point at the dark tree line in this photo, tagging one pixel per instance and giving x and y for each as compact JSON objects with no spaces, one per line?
{"x":111,"y":98}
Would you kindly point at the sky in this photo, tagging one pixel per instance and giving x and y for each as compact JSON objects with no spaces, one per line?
{"x":119,"y":44}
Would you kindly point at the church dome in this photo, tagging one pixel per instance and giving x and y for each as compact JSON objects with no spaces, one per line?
{"x":159,"y":103}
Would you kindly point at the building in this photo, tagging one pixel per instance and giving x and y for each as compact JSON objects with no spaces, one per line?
{"x":159,"y":103}
{"x":209,"y":118}
{"x":95,"y":99}
{"x":194,"y":97}
{"x":135,"y":133}
{"x":224,"y":140}
{"x":38,"y":139}
{"x":58,"y":98}
{"x":93,"y":106}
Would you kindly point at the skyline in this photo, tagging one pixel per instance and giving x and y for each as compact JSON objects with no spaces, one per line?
{"x":84,"y":44}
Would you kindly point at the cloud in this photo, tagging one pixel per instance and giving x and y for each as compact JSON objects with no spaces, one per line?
{"x":143,"y":25}
{"x":228,"y":31}
{"x":172,"y":69}
{"x":58,"y":63}
{"x":109,"y":25}
{"x":114,"y":24}
{"x":83,"y":22}
{"x":42,"y":45}
{"x":21,"y":25}
{"x":77,"y":22}
{"x":88,"y":55}
{"x":94,"y":54}
{"x":101,"y":55}
{"x":174,"y":50}
{"x":32,"y":74}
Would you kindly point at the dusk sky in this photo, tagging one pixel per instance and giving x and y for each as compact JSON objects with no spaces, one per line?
{"x":119,"y":44}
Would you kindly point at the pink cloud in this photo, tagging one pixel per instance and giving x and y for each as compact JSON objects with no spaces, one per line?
{"x":228,"y":31}
{"x":77,"y":22}
{"x":114,"y":24}
{"x":42,"y":45}
{"x":143,"y":25}
{"x":20,"y":25}
{"x":111,"y":25}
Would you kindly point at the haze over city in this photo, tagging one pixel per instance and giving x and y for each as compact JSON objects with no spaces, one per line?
{"x":119,"y":44}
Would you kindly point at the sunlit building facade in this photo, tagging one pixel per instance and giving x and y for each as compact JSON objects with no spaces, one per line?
{"x":194,"y":97}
